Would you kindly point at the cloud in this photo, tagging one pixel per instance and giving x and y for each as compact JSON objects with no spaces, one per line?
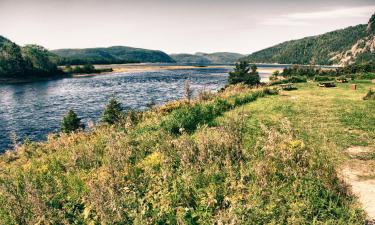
{"x":306,"y":19}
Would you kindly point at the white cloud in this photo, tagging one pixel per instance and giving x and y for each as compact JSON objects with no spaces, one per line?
{"x":305,"y":19}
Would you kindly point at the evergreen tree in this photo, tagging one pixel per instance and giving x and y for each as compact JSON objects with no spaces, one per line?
{"x":71,"y":122}
{"x":113,"y":112}
{"x":242,"y":74}
{"x":253,"y":78}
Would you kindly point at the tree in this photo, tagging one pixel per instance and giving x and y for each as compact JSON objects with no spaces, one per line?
{"x":113,"y":112}
{"x":275,"y":75}
{"x":71,"y":122}
{"x":242,"y":74}
{"x":40,"y":58}
{"x":253,"y":77}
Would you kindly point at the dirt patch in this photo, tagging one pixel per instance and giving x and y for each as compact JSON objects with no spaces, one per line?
{"x":357,"y":173}
{"x":358,"y":150}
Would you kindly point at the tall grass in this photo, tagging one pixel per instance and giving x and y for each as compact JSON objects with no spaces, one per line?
{"x":146,"y":174}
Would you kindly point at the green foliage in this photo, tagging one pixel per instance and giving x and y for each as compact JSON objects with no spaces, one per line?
{"x":371,"y":24}
{"x":296,"y":70}
{"x":71,"y":122}
{"x":357,"y":68}
{"x":85,"y":69}
{"x":113,"y":112}
{"x":319,"y":49}
{"x":29,"y":61}
{"x":323,"y":78}
{"x":111,"y":55}
{"x":189,"y":118}
{"x":242,"y":74}
{"x":205,"y":58}
{"x":252,"y":168}
{"x":370,"y":95}
{"x":365,"y":76}
{"x":40,"y":58}
{"x":294,"y":79}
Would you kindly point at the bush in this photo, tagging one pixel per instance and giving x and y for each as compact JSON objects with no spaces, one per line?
{"x":188,"y":118}
{"x":71,"y":122}
{"x":295,"y":79}
{"x":242,"y":74}
{"x":113,"y":112}
{"x":323,"y":78}
{"x":365,"y":76}
{"x":370,"y":95}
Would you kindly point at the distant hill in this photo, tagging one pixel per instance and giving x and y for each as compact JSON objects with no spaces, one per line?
{"x":30,"y":61}
{"x":345,"y":46}
{"x":207,"y":58}
{"x":111,"y":55}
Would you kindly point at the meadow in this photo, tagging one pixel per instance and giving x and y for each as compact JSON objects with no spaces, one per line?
{"x":241,"y":156}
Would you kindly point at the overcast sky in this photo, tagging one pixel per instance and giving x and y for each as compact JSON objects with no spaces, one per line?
{"x":175,"y":26}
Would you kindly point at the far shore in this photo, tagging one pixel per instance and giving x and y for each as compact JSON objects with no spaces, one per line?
{"x":133,"y":68}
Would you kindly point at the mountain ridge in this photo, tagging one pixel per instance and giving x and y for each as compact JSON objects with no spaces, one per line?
{"x":207,"y":58}
{"x":112,"y":54}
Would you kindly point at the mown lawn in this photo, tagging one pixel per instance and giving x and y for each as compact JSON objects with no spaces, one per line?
{"x":334,"y":117}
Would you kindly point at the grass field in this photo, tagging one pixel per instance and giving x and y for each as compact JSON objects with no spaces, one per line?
{"x":240,"y":157}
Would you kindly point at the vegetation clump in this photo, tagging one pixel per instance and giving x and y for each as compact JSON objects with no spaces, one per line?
{"x":370,"y":95}
{"x":113,"y":112}
{"x":242,"y":74}
{"x":294,"y":79}
{"x":71,"y":122}
{"x":85,"y":69}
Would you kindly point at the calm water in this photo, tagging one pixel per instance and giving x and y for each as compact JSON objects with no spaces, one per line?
{"x":33,"y":110}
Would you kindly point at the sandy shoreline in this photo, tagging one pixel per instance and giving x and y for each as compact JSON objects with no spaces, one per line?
{"x":133,"y":68}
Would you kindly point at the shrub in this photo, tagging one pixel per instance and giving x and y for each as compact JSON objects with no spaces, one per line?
{"x":291,"y":88}
{"x":188,"y":118}
{"x":370,"y":95}
{"x":113,"y":112}
{"x":294,"y":79}
{"x":71,"y":122}
{"x":242,"y":74}
{"x":366,"y":76}
{"x":323,"y":78}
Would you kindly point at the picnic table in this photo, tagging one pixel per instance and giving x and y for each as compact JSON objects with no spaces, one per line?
{"x":341,"y":80}
{"x":287,"y":87}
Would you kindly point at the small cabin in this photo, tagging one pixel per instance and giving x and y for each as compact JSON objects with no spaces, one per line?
{"x":327,"y":84}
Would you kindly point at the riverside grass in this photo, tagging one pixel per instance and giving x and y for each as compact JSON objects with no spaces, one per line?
{"x":269,"y":159}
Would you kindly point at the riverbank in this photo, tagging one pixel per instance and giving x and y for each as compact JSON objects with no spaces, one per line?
{"x":5,"y":81}
{"x":240,"y":156}
{"x":134,"y":68}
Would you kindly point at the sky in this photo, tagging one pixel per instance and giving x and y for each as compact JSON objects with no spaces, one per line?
{"x":176,"y":26}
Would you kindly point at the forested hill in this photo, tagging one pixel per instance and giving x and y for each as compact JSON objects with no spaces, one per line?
{"x":207,"y":58}
{"x":30,"y":61}
{"x":111,"y":55}
{"x":345,"y":46}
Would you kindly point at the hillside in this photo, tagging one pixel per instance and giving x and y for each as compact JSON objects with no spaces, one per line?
{"x":345,"y":46}
{"x":30,"y":61}
{"x":207,"y":58}
{"x":111,"y":55}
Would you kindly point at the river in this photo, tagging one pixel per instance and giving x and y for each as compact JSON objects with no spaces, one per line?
{"x":32,"y":110}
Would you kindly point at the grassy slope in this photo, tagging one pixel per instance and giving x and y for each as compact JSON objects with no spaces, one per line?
{"x":270,"y":161}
